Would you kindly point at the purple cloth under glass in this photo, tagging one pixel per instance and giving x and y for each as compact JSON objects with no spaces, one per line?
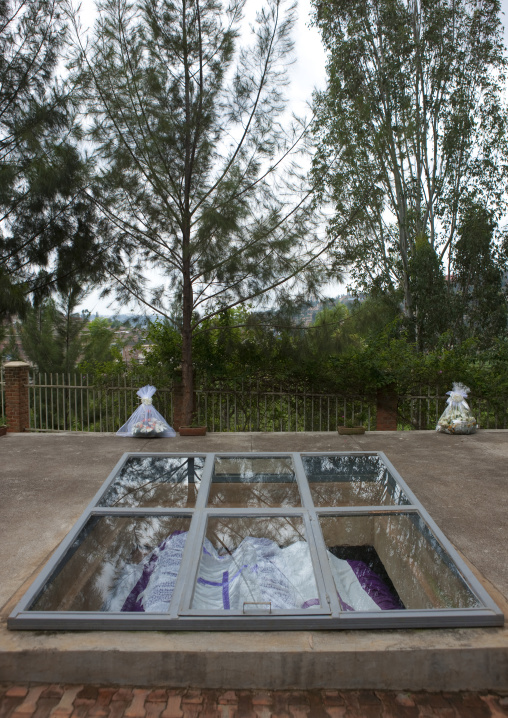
{"x":371,"y":583}
{"x":374,"y":587}
{"x":132,"y":603}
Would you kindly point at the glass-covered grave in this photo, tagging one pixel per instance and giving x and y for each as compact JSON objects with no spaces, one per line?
{"x":170,"y":481}
{"x":119,"y":563}
{"x":351,"y":480}
{"x":390,"y":562}
{"x":251,"y":564}
{"x":255,"y":541}
{"x":253,"y":482}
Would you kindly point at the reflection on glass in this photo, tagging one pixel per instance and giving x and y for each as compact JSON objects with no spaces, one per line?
{"x":250,"y":564}
{"x":391,"y":561}
{"x":168,"y":481}
{"x":119,"y":563}
{"x":351,"y":481}
{"x":250,"y":482}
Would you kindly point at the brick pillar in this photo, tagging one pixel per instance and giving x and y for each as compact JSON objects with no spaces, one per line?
{"x":16,"y":395}
{"x":387,"y":409}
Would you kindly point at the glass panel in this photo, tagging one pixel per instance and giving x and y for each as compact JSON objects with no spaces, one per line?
{"x":167,"y":481}
{"x":255,"y":564}
{"x":119,"y":563}
{"x":253,"y":482}
{"x":351,"y":481}
{"x":391,"y":561}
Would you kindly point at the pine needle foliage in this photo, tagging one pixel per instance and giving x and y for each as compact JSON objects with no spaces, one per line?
{"x":46,"y":223}
{"x":199,"y":176}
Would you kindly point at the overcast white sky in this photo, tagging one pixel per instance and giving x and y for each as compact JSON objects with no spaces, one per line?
{"x":307,"y":73}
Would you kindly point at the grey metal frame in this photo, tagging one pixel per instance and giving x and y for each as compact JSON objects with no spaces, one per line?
{"x":181,"y":616}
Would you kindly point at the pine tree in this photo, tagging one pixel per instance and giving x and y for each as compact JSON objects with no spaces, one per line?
{"x":199,"y":176}
{"x":482,"y":308}
{"x":52,"y":333}
{"x":46,"y":221}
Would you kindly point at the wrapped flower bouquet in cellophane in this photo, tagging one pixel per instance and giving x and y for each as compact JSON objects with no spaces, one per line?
{"x":457,"y":417}
{"x":146,"y":422}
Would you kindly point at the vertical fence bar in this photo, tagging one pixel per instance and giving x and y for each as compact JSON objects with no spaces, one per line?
{"x":40,"y":403}
{"x":64,"y":403}
{"x":52,"y":394}
{"x":220,"y":409}
{"x":280,"y":408}
{"x":103,"y":391}
{"x":88,"y":404}
{"x":81,"y":403}
{"x":32,"y":401}
{"x":427,"y":425}
{"x":75,"y":403}
{"x":57,"y":404}
{"x":46,"y":423}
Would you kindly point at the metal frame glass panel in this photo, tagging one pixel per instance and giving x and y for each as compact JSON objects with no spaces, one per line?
{"x":345,"y":543}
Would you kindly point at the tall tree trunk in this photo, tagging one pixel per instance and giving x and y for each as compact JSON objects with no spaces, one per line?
{"x":187,"y":371}
{"x":188,"y":299}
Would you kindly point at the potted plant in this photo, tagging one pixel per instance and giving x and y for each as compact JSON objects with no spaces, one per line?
{"x":195,"y":428}
{"x":349,"y":428}
{"x":3,"y":426}
{"x":346,"y":430}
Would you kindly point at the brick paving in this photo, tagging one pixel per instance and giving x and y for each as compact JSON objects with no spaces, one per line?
{"x":70,"y":701}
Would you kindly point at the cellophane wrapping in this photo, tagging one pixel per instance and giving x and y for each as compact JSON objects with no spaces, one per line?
{"x":146,"y":422}
{"x":457,"y":417}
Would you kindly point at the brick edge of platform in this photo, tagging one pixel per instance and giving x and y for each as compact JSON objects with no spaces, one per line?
{"x":94,"y":701}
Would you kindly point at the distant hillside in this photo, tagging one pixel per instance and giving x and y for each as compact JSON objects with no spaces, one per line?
{"x":308,"y":315}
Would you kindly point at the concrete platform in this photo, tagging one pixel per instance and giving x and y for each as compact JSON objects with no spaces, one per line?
{"x":47,"y":480}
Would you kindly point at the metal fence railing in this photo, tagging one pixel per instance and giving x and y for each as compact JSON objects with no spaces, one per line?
{"x":69,"y":402}
{"x":72,"y":402}
{"x":422,"y":408}
{"x":254,"y":408}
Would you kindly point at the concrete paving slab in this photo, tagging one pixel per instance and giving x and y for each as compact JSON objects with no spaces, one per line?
{"x":47,"y":481}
